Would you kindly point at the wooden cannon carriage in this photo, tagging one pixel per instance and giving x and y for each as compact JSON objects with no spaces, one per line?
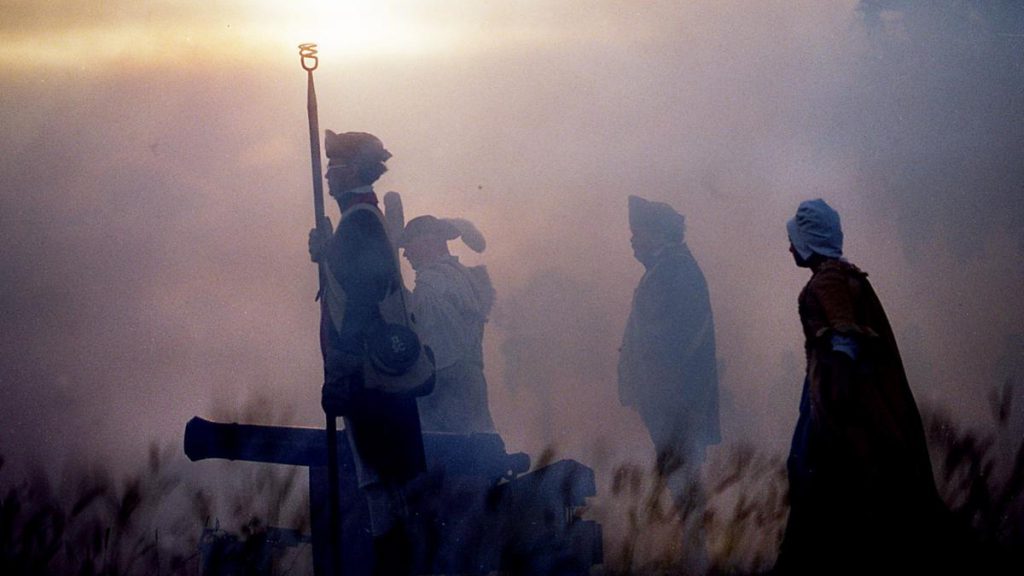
{"x":476,"y":511}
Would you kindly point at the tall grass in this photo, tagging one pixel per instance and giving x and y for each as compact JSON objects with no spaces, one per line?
{"x":150,"y":520}
{"x":979,"y":473}
{"x":980,"y":476}
{"x":738,"y":509}
{"x":94,"y":524}
{"x":154,"y":520}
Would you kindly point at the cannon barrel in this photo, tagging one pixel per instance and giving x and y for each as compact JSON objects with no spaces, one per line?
{"x":476,"y":454}
{"x":253,"y":443}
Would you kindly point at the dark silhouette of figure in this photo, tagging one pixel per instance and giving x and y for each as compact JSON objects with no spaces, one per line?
{"x":451,"y":303}
{"x":362,"y":269}
{"x":667,"y":363}
{"x":862,"y":496}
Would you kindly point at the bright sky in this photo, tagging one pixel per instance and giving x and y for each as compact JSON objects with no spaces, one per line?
{"x":74,"y":34}
{"x":65,"y":33}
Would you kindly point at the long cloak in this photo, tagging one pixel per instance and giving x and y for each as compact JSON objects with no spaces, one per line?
{"x":667,"y":364}
{"x":862,"y":496}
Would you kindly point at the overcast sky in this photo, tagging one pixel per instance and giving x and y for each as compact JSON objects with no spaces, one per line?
{"x":155,"y":198}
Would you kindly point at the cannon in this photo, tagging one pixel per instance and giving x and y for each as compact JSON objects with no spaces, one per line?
{"x":477,"y":510}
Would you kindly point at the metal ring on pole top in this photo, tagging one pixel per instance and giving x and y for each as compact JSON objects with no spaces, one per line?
{"x":307,"y":53}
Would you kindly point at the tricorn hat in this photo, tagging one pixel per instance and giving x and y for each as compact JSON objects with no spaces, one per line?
{"x":354,"y":147}
{"x":445,"y":229}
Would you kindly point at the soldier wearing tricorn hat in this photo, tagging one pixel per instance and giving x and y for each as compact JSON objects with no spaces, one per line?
{"x":362,"y":272}
{"x":451,"y":303}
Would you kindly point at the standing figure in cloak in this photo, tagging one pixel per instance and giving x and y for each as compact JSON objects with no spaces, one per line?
{"x":862,"y":497}
{"x":451,"y":303}
{"x":667,"y":364}
{"x":361,"y":270}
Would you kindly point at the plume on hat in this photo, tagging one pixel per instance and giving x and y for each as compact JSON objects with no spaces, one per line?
{"x":445,"y":228}
{"x":469,"y":233}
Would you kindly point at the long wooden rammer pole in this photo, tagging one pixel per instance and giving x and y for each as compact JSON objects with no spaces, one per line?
{"x":309,"y":59}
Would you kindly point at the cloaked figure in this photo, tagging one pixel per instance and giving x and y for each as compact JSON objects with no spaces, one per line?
{"x":451,"y":303}
{"x":862,"y":496}
{"x":667,"y":363}
{"x":362,"y":276}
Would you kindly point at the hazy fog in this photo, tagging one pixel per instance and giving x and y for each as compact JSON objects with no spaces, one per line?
{"x":155,"y":198}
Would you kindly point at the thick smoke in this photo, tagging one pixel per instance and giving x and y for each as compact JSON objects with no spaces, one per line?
{"x":154,"y":214}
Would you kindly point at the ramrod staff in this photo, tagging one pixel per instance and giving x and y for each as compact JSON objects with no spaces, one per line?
{"x":309,"y":60}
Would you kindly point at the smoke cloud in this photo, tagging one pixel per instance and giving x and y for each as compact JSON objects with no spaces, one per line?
{"x":154,"y":205}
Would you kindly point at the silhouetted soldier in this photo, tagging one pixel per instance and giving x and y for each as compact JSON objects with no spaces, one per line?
{"x":362,"y":270}
{"x":667,"y":364}
{"x":451,"y":303}
{"x":862,"y":497}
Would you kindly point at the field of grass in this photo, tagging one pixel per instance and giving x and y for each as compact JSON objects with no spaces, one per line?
{"x":155,"y":520}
